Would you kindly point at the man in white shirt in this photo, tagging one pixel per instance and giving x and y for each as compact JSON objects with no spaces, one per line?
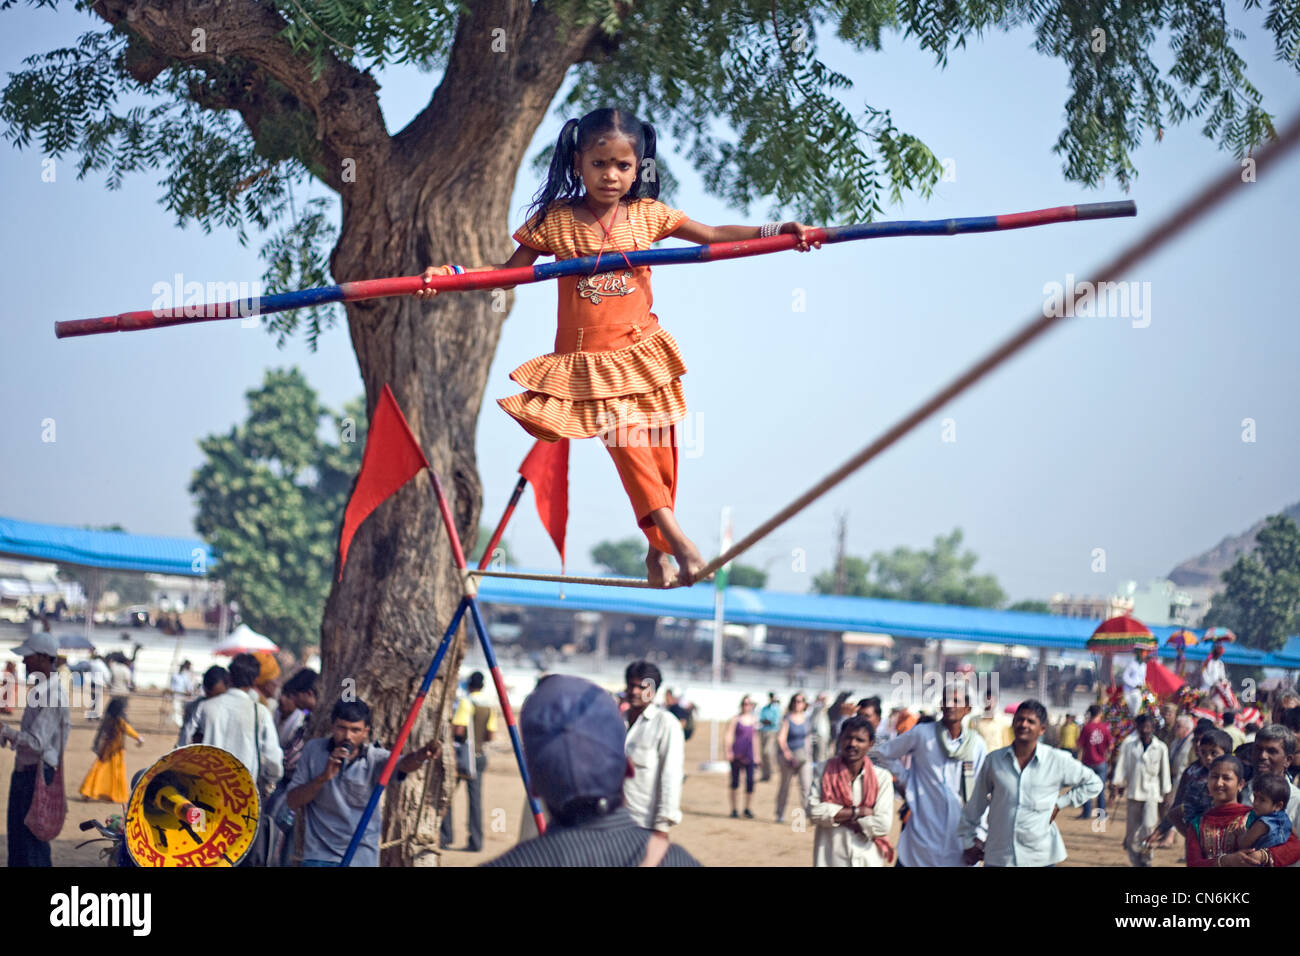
{"x":39,"y":741}
{"x":946,"y":758}
{"x":119,"y":679}
{"x":99,"y":675}
{"x":1143,"y":769}
{"x":1135,"y":675}
{"x":238,"y":724}
{"x":1020,"y":787}
{"x":1212,"y":671}
{"x":656,"y":747}
{"x":182,"y":690}
{"x":852,"y":825}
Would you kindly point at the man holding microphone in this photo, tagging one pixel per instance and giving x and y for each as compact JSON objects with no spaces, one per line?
{"x":332,"y":785}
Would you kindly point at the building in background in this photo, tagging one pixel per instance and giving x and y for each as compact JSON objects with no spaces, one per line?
{"x":1090,"y":607}
{"x":1161,"y":602}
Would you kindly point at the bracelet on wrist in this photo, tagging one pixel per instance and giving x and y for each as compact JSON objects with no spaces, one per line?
{"x":768,"y":229}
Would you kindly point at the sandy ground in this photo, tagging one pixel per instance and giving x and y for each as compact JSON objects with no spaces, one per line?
{"x":706,"y":831}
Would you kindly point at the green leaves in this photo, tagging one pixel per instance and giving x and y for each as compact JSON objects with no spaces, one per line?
{"x":70,"y":100}
{"x":381,"y":31}
{"x":297,"y":257}
{"x":1261,"y":596}
{"x":753,"y":67}
{"x":270,"y":497}
{"x":943,"y":575}
{"x":625,"y":557}
{"x":738,"y":85}
{"x":746,"y":576}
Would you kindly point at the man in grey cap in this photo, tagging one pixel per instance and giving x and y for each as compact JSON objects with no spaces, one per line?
{"x":573,"y":737}
{"x":39,"y":741}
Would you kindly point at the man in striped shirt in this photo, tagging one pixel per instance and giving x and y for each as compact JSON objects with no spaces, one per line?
{"x":573,"y":739}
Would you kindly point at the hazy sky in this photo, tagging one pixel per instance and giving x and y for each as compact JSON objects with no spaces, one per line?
{"x":1105,"y":435}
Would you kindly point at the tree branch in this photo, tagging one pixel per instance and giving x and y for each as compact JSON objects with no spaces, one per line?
{"x":249,"y":92}
{"x":342,"y":100}
{"x":505,"y":80}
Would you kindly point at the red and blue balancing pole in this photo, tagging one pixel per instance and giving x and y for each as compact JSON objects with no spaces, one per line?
{"x":466,"y":603}
{"x":497,"y":278}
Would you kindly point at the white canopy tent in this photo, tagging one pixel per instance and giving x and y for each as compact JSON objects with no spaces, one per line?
{"x":244,"y":640}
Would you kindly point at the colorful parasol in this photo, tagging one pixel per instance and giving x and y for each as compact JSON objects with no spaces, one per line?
{"x":1121,"y":634}
{"x":1220,"y":634}
{"x":1182,"y":638}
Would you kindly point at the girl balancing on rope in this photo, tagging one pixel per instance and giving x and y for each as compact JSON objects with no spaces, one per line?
{"x":615,"y":373}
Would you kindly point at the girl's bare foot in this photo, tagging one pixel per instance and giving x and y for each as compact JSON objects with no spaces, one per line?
{"x":660,"y":571}
{"x":690,"y":561}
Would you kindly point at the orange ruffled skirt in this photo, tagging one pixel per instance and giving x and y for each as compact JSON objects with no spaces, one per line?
{"x":583,"y":394}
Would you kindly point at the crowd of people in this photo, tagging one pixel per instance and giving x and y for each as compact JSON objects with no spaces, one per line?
{"x":966,"y":793}
{"x":608,"y":768}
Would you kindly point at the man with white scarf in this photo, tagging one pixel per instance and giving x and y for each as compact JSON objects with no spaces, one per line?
{"x":946,"y":756}
{"x":1142,"y":769}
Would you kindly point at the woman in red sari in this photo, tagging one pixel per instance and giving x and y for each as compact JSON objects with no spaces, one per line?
{"x":1217,"y":837}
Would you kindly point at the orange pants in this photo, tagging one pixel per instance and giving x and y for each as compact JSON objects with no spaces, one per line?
{"x":646,"y":460}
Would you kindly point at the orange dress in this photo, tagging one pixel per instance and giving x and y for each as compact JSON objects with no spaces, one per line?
{"x":615,"y":373}
{"x":106,"y":779}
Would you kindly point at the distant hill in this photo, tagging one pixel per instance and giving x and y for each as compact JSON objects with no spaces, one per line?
{"x":1204,"y":569}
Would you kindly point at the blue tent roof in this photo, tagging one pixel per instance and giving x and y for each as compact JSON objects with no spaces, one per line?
{"x":115,"y":550}
{"x":821,"y":612}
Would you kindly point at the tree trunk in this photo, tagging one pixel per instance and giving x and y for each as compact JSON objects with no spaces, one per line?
{"x":385,"y":617}
{"x":435,"y":192}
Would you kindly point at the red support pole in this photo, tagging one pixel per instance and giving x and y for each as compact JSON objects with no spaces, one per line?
{"x":501,"y":525}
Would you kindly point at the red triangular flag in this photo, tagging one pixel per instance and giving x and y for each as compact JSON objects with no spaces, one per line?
{"x":392,"y":457}
{"x":547,"y":469}
{"x":1162,"y":681}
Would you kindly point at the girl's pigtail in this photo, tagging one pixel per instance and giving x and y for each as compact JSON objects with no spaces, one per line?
{"x":560,"y":178}
{"x":648,"y":175}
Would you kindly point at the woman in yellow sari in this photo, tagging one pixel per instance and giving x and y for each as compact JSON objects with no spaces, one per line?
{"x":107,"y":777}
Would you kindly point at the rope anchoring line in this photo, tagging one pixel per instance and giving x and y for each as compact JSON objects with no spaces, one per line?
{"x":1185,"y":215}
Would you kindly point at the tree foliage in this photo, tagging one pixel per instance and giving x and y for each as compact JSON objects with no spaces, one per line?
{"x":625,"y":557}
{"x":270,"y":497}
{"x":942,"y":575}
{"x":746,"y":576}
{"x":1261,"y":597}
{"x":501,"y":552}
{"x":1034,"y":606}
{"x":741,"y":88}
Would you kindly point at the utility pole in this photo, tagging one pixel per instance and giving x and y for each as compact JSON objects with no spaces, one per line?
{"x":841,"y":574}
{"x":841,"y":585}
